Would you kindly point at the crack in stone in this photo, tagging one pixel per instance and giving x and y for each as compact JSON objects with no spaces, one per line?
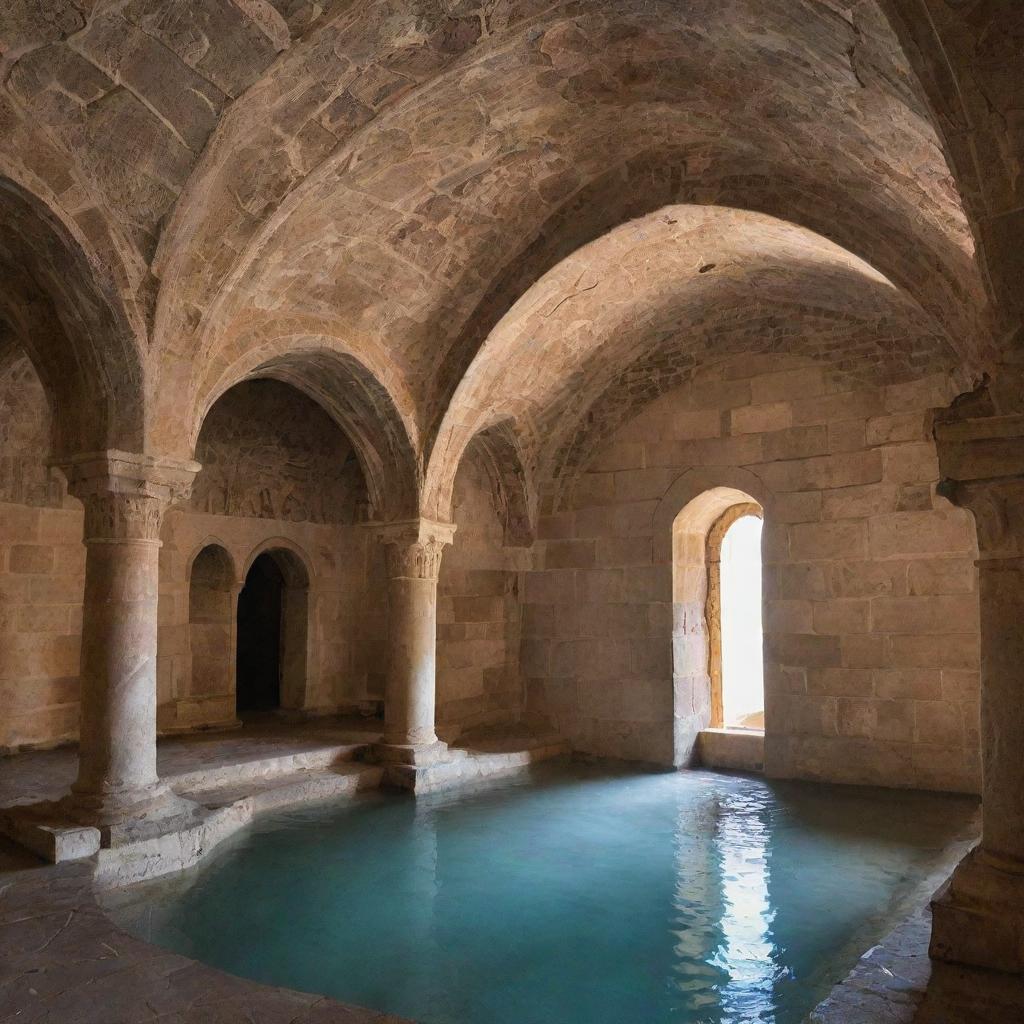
{"x":572,"y":295}
{"x":63,"y":928}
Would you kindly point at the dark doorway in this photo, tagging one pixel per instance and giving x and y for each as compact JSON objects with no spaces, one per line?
{"x":258,"y":662}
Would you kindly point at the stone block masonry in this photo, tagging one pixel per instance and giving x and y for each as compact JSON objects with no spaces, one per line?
{"x":870,"y":587}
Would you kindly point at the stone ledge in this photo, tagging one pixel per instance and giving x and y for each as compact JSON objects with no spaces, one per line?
{"x":733,"y":749}
{"x":52,"y":841}
{"x":465,"y":767}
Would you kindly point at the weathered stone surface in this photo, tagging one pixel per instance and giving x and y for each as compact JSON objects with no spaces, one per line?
{"x":864,"y":604}
{"x":538,"y":261}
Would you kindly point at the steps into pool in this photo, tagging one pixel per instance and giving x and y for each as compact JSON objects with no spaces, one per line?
{"x":293,"y":787}
{"x":252,"y":770}
{"x":220,"y":781}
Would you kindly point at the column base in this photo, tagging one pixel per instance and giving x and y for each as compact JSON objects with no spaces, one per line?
{"x":81,"y":824}
{"x":978,"y":915}
{"x":417,"y":755}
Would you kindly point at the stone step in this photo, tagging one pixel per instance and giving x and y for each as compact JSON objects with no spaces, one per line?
{"x":223,"y":812}
{"x":472,"y":765}
{"x":208,"y":777}
{"x":296,"y":787}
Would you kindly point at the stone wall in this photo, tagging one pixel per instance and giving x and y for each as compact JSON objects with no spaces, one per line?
{"x":871,"y":609}
{"x":42,"y":567}
{"x":279,"y":472}
{"x":478,"y":612}
{"x":42,"y":578}
{"x":25,"y":478}
{"x":345,"y":618}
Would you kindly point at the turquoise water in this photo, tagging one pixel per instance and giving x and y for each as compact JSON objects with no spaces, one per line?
{"x":575,"y":895}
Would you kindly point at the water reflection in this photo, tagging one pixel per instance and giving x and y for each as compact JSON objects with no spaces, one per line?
{"x":747,"y":952}
{"x":727,"y":960}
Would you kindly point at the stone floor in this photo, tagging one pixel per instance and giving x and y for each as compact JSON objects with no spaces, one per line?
{"x":895,"y":982}
{"x":182,"y":760}
{"x":63,"y":961}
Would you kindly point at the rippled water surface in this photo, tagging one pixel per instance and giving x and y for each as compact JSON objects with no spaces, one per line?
{"x":571,"y":896}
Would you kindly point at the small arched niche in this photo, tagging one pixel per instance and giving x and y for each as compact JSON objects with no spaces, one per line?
{"x":272,"y":646}
{"x":698,"y":533}
{"x":211,"y":622}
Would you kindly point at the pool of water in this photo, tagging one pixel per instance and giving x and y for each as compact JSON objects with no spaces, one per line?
{"x":573,"y":895}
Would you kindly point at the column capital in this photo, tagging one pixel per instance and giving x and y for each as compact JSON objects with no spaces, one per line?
{"x":413,"y":547}
{"x":981,"y":459}
{"x":125,"y":494}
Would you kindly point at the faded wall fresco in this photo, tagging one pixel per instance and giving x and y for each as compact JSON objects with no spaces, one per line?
{"x":269,"y":452}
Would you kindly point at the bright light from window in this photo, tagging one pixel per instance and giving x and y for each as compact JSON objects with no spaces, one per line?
{"x":742,"y":663}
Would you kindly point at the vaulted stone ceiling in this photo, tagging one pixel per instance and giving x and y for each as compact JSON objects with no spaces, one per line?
{"x":378,"y":201}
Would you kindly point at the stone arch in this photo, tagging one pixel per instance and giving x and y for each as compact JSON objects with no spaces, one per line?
{"x":690,"y":486}
{"x":633,"y":313}
{"x":512,"y":488}
{"x":964,"y":59}
{"x":295,"y":564}
{"x":72,"y":325}
{"x":298,"y":620}
{"x":511,"y":481}
{"x":352,"y":387}
{"x":212,"y":593}
{"x":647,"y":182}
{"x":581,"y":152}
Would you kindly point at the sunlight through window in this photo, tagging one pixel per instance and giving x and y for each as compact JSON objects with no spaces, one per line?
{"x":742,"y":664}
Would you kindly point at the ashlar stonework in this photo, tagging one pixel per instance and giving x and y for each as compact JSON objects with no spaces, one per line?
{"x":450,"y":310}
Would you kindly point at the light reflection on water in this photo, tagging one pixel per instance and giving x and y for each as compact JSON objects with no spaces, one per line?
{"x":577,"y":896}
{"x":747,"y":952}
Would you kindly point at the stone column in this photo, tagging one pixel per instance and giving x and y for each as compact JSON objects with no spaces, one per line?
{"x":978,"y":917}
{"x":125,"y":497}
{"x":413,"y":551}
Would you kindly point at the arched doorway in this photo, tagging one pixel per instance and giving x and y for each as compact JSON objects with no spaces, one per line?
{"x":211,"y":622}
{"x":270,"y":663}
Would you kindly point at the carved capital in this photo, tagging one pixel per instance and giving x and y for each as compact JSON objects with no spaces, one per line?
{"x":413,"y":548}
{"x":125,"y":495}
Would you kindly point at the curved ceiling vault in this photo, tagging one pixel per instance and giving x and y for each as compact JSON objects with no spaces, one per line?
{"x":360,"y":198}
{"x":633,"y":314}
{"x":81,"y":344}
{"x":430,"y":213}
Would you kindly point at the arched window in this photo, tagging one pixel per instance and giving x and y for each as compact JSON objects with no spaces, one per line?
{"x":709,"y":689}
{"x":739,"y":694}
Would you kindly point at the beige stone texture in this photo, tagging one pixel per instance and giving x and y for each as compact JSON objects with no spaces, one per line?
{"x":478,"y":627}
{"x":767,"y":246}
{"x":866,"y":606}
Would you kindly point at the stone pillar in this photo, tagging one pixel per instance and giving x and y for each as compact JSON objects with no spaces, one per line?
{"x":413,"y":551}
{"x":125,"y":497}
{"x":978,"y":917}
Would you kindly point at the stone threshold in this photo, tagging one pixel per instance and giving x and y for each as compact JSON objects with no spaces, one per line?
{"x":732,"y":749}
{"x":464,"y":767}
